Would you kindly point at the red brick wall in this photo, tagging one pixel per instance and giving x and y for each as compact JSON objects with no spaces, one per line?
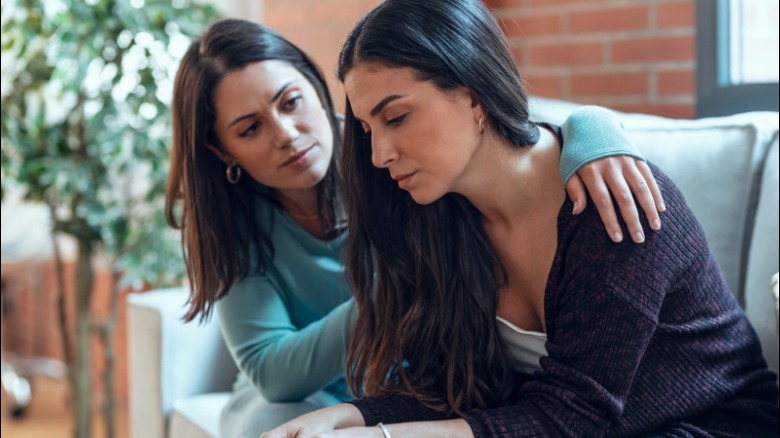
{"x":636,"y":55}
{"x":630,"y":55}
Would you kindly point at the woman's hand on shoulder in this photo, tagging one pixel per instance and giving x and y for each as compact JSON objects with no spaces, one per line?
{"x":624,"y":178}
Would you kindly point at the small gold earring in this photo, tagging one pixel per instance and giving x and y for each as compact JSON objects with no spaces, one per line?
{"x":481,"y":125}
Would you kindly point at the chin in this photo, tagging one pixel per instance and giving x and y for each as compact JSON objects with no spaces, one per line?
{"x":423,"y":198}
{"x":314,"y":179}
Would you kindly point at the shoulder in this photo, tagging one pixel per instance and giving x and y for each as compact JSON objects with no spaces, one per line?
{"x":679,"y":221}
{"x":680,"y":228}
{"x":589,"y":257}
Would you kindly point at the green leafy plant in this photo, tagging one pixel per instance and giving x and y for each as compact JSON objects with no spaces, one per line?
{"x":86,"y":88}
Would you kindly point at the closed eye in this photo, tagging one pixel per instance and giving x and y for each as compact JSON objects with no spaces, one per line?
{"x":397,"y":120}
{"x":251,"y":129}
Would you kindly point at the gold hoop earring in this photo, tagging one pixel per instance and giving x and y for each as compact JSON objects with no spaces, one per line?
{"x":481,"y":125}
{"x":233,"y":173}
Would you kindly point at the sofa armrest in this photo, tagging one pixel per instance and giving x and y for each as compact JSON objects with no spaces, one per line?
{"x":170,"y":359}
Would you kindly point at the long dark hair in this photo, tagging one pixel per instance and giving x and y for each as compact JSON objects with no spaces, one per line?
{"x":217,"y":219}
{"x":425,"y":278}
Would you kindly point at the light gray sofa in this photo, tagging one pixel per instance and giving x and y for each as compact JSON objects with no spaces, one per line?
{"x":727,"y":167}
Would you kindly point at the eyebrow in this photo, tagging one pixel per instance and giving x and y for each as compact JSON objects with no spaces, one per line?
{"x":273,"y":99}
{"x":383,"y":103}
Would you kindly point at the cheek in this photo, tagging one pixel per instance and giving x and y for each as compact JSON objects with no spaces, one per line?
{"x":441,"y":150}
{"x":324,"y":135}
{"x":318,"y":124}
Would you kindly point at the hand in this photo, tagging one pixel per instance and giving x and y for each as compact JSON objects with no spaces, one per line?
{"x":622,"y":176}
{"x":319,"y":422}
{"x":353,"y":432}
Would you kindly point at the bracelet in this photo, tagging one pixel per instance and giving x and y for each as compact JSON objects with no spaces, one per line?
{"x":384,"y":430}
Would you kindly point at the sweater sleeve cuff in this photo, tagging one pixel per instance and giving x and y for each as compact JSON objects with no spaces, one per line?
{"x":395,"y":408}
{"x":371,"y":415}
{"x":591,"y":133}
{"x":477,"y":428}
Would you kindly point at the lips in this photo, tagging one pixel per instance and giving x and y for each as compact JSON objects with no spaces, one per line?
{"x":402,"y":176}
{"x":296,"y":156}
{"x":404,"y":179}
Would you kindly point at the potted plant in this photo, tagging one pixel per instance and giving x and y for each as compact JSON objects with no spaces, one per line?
{"x":86,"y":87}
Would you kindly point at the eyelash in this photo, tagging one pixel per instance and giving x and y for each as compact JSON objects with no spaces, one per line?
{"x":249,"y":130}
{"x":396,"y":121}
{"x":292,"y":103}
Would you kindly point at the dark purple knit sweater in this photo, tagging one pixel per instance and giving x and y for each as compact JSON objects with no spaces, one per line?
{"x":641,"y":339}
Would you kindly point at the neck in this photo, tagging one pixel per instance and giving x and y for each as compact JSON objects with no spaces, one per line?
{"x":300,"y":204}
{"x":510,"y":185}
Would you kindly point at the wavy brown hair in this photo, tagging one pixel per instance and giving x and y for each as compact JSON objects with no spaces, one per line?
{"x":424,"y":276}
{"x":222,"y":237}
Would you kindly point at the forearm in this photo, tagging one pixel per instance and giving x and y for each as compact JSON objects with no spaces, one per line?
{"x":283,"y":363}
{"x":404,"y":416}
{"x":456,"y":428}
{"x":394,"y":408}
{"x":590,"y":133}
{"x":291,"y":366}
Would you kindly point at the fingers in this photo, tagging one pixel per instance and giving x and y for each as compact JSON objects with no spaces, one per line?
{"x":630,"y":182}
{"x":644,"y":169}
{"x":592,"y":175}
{"x":619,"y":187}
{"x":643,"y":194}
{"x":576,"y":191}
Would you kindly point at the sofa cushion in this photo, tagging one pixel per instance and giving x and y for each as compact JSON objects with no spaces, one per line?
{"x":197,"y":416}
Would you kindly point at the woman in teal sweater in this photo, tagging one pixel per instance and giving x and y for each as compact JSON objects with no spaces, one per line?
{"x":253,"y":186}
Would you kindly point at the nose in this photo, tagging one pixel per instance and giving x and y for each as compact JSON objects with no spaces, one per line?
{"x":382,"y":153}
{"x":286,"y":132}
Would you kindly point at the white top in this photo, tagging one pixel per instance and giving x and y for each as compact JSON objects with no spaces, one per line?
{"x":523,"y":347}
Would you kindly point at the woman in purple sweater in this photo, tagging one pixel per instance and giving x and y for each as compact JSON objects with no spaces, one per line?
{"x":485,"y":308}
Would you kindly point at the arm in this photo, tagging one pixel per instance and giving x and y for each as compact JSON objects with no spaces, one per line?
{"x":346,"y":420}
{"x":430,"y":429}
{"x":598,"y":152}
{"x":283,"y":362}
{"x":575,"y":396}
{"x":579,"y":393}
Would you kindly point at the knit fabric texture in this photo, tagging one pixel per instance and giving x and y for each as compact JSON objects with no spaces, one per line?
{"x":591,"y":133}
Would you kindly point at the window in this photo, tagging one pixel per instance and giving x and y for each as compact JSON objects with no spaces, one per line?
{"x":737,"y":52}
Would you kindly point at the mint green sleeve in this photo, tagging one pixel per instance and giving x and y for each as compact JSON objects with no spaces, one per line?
{"x":590,"y":133}
{"x":283,"y":362}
